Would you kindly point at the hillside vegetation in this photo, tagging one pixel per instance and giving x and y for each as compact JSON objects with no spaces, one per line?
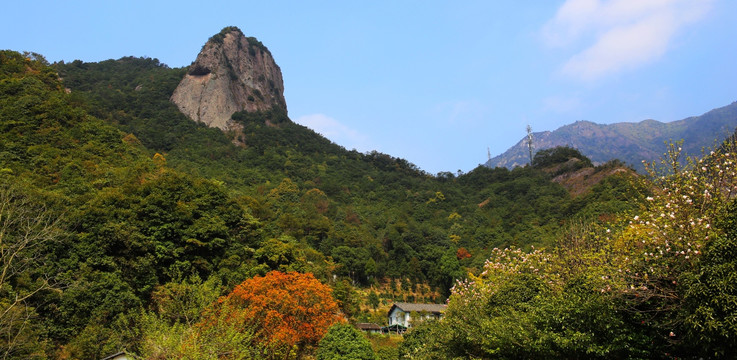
{"x":659,"y":283}
{"x":123,"y":223}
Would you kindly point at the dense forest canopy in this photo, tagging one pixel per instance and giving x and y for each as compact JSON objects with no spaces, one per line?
{"x":350,"y":206}
{"x":143,"y":219}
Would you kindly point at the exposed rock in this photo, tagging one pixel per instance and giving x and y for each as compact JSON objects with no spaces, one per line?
{"x":232,"y":73}
{"x":581,"y":181}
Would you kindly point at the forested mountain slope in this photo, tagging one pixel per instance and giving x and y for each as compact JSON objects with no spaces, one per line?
{"x":382,"y":208}
{"x":126,"y":225}
{"x":141,"y":204}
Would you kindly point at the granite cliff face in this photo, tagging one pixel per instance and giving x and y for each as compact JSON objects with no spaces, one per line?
{"x":232,"y":73}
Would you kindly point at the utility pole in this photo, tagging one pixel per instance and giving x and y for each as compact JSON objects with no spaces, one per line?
{"x":529,"y":141}
{"x":488,"y":153}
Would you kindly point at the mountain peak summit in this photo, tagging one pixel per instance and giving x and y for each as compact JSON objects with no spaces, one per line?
{"x":232,"y":73}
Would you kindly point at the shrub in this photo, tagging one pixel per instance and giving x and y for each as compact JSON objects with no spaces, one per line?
{"x":344,"y":341}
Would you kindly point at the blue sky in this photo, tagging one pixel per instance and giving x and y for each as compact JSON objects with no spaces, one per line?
{"x":434,"y":82}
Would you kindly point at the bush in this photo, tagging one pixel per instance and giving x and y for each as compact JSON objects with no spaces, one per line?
{"x":344,"y":341}
{"x":559,"y":155}
{"x":710,"y":300}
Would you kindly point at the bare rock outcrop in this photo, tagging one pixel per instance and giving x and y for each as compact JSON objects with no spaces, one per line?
{"x":232,"y":73}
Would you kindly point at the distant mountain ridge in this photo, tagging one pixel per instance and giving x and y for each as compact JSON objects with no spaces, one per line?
{"x":629,"y":142}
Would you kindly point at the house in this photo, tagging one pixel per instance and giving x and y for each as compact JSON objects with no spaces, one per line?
{"x":403,"y":314}
{"x":393,"y":329}
{"x":369,"y":327}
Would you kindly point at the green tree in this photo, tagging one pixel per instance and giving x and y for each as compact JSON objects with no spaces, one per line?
{"x":347,"y":298}
{"x":162,"y":339}
{"x":183,"y":301}
{"x":27,"y":231}
{"x":425,"y":341}
{"x":343,"y":342}
{"x":560,"y":155}
{"x":710,"y":295}
{"x":373,"y":300}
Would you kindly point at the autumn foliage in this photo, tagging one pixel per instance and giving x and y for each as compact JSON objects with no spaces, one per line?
{"x":286,"y":311}
{"x":462,"y":253}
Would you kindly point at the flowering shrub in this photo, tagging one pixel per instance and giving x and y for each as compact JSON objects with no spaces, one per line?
{"x":504,"y":266}
{"x":643,"y":285}
{"x":669,"y":236}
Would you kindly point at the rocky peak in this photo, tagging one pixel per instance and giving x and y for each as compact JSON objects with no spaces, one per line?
{"x":232,"y":73}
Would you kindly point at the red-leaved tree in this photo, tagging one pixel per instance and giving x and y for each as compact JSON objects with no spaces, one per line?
{"x":286,"y":312}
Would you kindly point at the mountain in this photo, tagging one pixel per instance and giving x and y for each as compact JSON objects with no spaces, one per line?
{"x":376,"y":216}
{"x":629,"y":142}
{"x":146,"y":206}
{"x":124,"y":220}
{"x":232,"y":73}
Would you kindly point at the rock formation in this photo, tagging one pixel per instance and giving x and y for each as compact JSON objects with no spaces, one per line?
{"x":232,"y":73}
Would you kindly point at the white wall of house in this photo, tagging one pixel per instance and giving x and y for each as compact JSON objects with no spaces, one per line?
{"x":403,"y":313}
{"x":398,"y":316}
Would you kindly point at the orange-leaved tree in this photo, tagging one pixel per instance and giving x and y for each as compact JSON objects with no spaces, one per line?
{"x":286,"y":311}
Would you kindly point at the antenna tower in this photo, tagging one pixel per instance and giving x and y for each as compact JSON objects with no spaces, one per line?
{"x":530,"y":146}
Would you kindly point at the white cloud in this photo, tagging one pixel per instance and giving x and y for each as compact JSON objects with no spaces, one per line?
{"x":335,"y":131}
{"x":618,"y":35}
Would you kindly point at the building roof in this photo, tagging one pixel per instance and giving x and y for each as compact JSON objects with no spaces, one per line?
{"x":410,"y":307}
{"x":119,"y":355}
{"x":368,"y":326}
